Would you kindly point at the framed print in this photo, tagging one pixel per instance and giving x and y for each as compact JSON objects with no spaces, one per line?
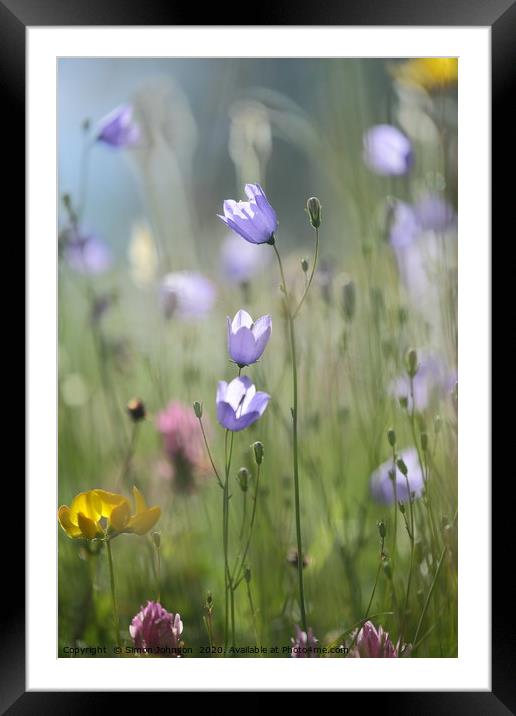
{"x":258,"y":262}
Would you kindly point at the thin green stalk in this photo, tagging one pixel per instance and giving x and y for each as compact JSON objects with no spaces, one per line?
{"x":238,"y":573}
{"x":429,"y":595}
{"x":292,"y":337}
{"x":209,"y":453}
{"x":116,"y":619}
{"x":253,"y":613}
{"x":225,"y":526}
{"x":309,"y":282}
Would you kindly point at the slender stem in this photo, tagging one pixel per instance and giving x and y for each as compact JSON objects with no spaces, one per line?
{"x":309,"y":283}
{"x":395,"y":488}
{"x":292,"y":337}
{"x":209,"y":453}
{"x":429,"y":595}
{"x":113,"y":594}
{"x":225,"y":526}
{"x":238,"y":574}
{"x":253,"y":613}
{"x":129,"y":455}
{"x":158,"y":573}
{"x":374,"y":589}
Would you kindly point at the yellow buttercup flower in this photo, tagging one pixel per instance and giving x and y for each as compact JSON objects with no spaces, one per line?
{"x":103,"y":514}
{"x":428,"y":72}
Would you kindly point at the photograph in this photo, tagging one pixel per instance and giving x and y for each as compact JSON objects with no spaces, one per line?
{"x":257,"y":357}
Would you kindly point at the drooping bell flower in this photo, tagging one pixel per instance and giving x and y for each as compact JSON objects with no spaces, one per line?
{"x":186,"y":295}
{"x":387,"y":151}
{"x":239,"y":404}
{"x":157,"y":631}
{"x":255,"y":220}
{"x":118,"y":129}
{"x":247,"y":339}
{"x":382,"y":482}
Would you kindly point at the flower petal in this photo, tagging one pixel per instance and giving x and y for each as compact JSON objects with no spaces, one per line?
{"x":88,"y":527}
{"x":144,"y":521}
{"x":63,"y":515}
{"x":119,"y":516}
{"x":139,"y":500}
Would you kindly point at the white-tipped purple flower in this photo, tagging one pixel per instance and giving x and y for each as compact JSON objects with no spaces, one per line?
{"x":382,"y":484}
{"x":255,"y":220}
{"x":239,"y":404}
{"x":156,"y":631}
{"x":304,"y":644}
{"x":86,"y":253}
{"x":247,"y":339}
{"x":240,"y":260}
{"x":387,"y":151}
{"x":373,"y":643}
{"x":118,"y":128}
{"x":186,"y":294}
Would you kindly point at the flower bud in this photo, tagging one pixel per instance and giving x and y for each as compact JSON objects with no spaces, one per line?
{"x":247,"y":574}
{"x":197,"y":409}
{"x":392,"y":474}
{"x":411,"y":362}
{"x":156,"y":538}
{"x":401,"y":507}
{"x":258,"y":452}
{"x":349,"y":300}
{"x":391,"y":437}
{"x":243,"y":478}
{"x":403,"y":401}
{"x":304,"y":265}
{"x":136,"y":410}
{"x":381,"y":529}
{"x":313,"y":207}
{"x":402,"y":467}
{"x":424,"y":441}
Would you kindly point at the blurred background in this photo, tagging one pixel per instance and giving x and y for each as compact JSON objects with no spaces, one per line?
{"x":148,"y":275}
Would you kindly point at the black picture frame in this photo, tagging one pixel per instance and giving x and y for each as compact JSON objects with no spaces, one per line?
{"x":500,"y":16}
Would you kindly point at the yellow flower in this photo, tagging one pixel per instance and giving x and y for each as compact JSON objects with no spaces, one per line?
{"x":99,"y":513}
{"x":428,"y":72}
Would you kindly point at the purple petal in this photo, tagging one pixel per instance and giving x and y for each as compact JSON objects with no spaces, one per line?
{"x":242,"y":347}
{"x":242,"y":318}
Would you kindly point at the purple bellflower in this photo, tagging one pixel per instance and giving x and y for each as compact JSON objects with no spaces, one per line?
{"x":239,"y":404}
{"x":255,"y":220}
{"x":186,"y":295}
{"x":387,"y":151}
{"x":382,"y":487}
{"x":247,"y":340}
{"x":85,"y":253}
{"x":117,"y":129}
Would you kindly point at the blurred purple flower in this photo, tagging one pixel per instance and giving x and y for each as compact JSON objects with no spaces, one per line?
{"x":433,"y":378}
{"x":433,"y":213}
{"x":405,"y":227}
{"x":86,"y":253}
{"x":382,"y":488}
{"x":247,"y":340}
{"x":387,"y":151}
{"x":372,"y":643}
{"x":255,"y":220}
{"x":157,"y":631}
{"x":240,"y":260}
{"x":304,"y":644}
{"x":186,"y":294}
{"x":118,"y":128}
{"x":239,"y":405}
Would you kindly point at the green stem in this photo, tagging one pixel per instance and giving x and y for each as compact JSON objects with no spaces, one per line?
{"x":292,"y":337}
{"x":209,"y":453}
{"x":429,"y":595}
{"x":225,"y":529}
{"x":309,"y":283}
{"x":238,"y":573}
{"x":113,"y":594}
